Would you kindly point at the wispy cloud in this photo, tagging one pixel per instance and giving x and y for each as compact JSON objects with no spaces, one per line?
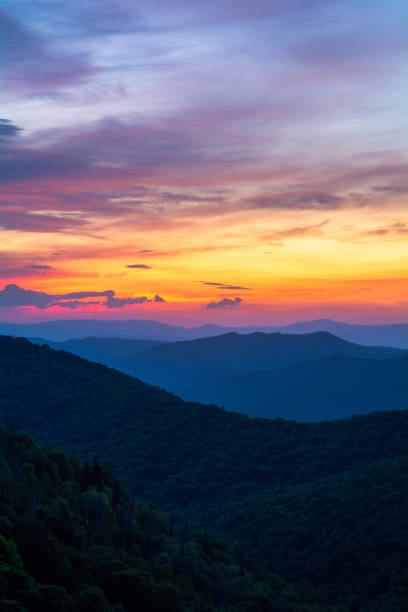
{"x":296,"y":231}
{"x":33,"y":66}
{"x":394,"y":229}
{"x":225,"y":286}
{"x":139,"y":266}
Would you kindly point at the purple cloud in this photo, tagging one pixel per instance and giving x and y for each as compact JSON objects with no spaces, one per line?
{"x":13,"y":295}
{"x":139,"y":266}
{"x":8,"y":129}
{"x":113,"y":302}
{"x":32,"y":66}
{"x":224,"y":303}
{"x":72,"y":304}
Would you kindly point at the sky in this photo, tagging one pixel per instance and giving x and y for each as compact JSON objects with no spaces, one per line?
{"x":224,"y":161}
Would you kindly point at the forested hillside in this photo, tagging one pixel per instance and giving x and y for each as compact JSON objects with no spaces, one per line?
{"x":331,"y":387}
{"x":110,"y":351}
{"x":71,"y":540}
{"x":299,"y":496}
{"x":298,"y":377}
{"x":182,"y":367}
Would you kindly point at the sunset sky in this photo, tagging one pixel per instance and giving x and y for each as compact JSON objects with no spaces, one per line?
{"x":202,"y":161}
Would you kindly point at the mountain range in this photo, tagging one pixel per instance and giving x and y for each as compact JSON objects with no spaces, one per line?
{"x":305,"y":377}
{"x":395,"y":335}
{"x":322,"y":505}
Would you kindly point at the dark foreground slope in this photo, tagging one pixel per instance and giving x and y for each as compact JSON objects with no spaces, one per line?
{"x":71,"y":541}
{"x":331,"y":387}
{"x":249,"y":478}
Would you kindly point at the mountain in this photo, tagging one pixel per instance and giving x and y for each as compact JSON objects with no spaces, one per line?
{"x":395,"y":335}
{"x":188,"y":366}
{"x":233,"y":371}
{"x":331,"y":387}
{"x":110,"y":351}
{"x":72,"y":540}
{"x":66,"y":329}
{"x":322,"y":504}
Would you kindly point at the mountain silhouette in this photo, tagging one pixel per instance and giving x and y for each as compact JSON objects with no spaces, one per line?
{"x":331,"y":387}
{"x":184,"y":367}
{"x":303,"y":498}
{"x":110,"y":351}
{"x":395,"y":335}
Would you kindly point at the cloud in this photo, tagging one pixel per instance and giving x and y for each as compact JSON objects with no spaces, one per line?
{"x":139,"y":266}
{"x":294,"y":232}
{"x":39,"y":267}
{"x":73,"y":304}
{"x":8,"y":129}
{"x":223,"y":286}
{"x":12,"y":295}
{"x":32,"y":66}
{"x":399,"y":228}
{"x":297,"y":200}
{"x":113,"y":302}
{"x":224,"y":303}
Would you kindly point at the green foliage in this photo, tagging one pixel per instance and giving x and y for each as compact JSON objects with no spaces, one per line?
{"x":64,"y":548}
{"x":323,"y":505}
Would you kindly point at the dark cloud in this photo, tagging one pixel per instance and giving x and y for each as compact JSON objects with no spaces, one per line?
{"x":113,"y":302}
{"x":8,"y":130}
{"x":20,"y":164}
{"x":13,"y":295}
{"x":79,"y":295}
{"x":294,"y":232}
{"x":39,"y":267}
{"x":224,"y":303}
{"x":72,"y":304}
{"x":141,"y":266}
{"x":223,"y":286}
{"x":146,"y":251}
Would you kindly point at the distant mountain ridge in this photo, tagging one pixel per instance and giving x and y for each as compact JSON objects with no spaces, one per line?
{"x":264,"y":375}
{"x":394,"y":335}
{"x":188,"y":367}
{"x":326,"y":388}
{"x":108,"y":351}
